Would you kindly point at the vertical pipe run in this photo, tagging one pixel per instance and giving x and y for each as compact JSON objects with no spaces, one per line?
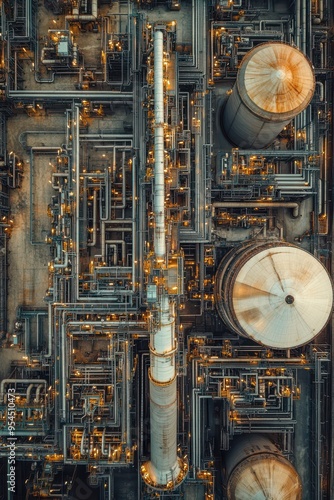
{"x":159,"y":175}
{"x":92,"y":243}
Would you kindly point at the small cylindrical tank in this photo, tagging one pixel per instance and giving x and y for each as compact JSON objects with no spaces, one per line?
{"x":255,"y":468}
{"x":273,"y":292}
{"x":275,"y":82}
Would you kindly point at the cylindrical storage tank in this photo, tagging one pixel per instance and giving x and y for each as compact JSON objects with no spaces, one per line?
{"x":256,"y":469}
{"x":275,"y":293}
{"x":166,"y":470}
{"x":275,"y":82}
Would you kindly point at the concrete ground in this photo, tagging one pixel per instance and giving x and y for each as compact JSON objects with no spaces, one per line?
{"x":28,"y":253}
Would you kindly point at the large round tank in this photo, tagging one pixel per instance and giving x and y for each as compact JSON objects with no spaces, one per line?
{"x":273,"y":292}
{"x":256,"y":469}
{"x":275,"y":82}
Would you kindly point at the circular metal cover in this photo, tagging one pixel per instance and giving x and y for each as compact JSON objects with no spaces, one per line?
{"x":264,"y":476}
{"x":276,"y":79}
{"x":282,"y":297}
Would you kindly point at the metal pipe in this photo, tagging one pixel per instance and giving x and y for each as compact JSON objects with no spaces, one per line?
{"x":106,"y":324}
{"x":322,"y":91}
{"x":57,"y":175}
{"x":38,"y":391}
{"x":303,"y":27}
{"x":260,"y":204}
{"x":64,"y":365}
{"x":102,"y":136}
{"x":82,"y":449}
{"x":128,"y":392}
{"x":321,"y":9}
{"x":134,"y":224}
{"x":197,"y":430}
{"x":83,"y":17}
{"x":115,"y":242}
{"x":297,"y":23}
{"x":30,"y":386}
{"x":93,"y":242}
{"x":76,"y":169}
{"x":64,"y":262}
{"x":67,"y":94}
{"x":114,"y":247}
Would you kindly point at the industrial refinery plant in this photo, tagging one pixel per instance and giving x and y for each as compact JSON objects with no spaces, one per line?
{"x":166,"y":291}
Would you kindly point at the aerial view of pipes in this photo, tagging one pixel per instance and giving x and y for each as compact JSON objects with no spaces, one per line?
{"x":166,"y":262}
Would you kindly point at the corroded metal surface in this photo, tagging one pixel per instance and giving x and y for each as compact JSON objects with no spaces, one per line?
{"x":257,"y":469}
{"x":275,"y":82}
{"x":277,"y":294}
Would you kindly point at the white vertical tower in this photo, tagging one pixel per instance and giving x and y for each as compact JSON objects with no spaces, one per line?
{"x":159,"y":150}
{"x":165,"y":470}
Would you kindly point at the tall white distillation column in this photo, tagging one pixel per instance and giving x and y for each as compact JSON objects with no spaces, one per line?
{"x":159,"y":149}
{"x":165,"y":470}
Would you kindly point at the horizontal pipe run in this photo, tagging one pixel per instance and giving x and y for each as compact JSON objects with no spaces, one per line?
{"x":70,"y":95}
{"x":83,"y":17}
{"x":259,"y":204}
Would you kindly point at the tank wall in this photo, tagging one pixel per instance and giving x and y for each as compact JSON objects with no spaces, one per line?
{"x":275,"y":83}
{"x":263,"y":290}
{"x":256,"y":468}
{"x":243,"y":128}
{"x":243,"y":447}
{"x":230,"y":264}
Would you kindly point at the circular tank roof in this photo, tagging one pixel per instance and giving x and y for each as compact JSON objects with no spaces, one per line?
{"x":282,"y":297}
{"x":264,"y":476}
{"x":276,"y":81}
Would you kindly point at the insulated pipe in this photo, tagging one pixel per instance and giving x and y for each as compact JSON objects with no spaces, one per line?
{"x":104,"y":241}
{"x":15,"y":381}
{"x":44,"y":60}
{"x":68,"y":94}
{"x":297,"y":23}
{"x":64,"y":366}
{"x":83,"y":17}
{"x":261,"y":204}
{"x":128,"y":392}
{"x":106,"y":324}
{"x":113,"y":243}
{"x":82,"y":448}
{"x":38,"y":391}
{"x":63,"y":264}
{"x":159,"y":175}
{"x":58,"y":175}
{"x":103,"y":448}
{"x":114,"y":247}
{"x":303,"y":26}
{"x":29,"y":392}
{"x":322,"y":92}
